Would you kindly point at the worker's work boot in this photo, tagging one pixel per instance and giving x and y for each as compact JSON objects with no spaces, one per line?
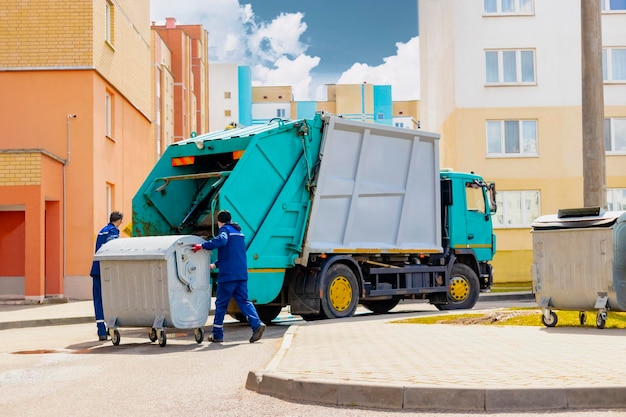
{"x":211,"y":338}
{"x":258,"y":333}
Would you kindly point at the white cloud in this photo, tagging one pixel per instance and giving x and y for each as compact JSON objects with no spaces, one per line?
{"x":401,"y":71}
{"x":275,"y":53}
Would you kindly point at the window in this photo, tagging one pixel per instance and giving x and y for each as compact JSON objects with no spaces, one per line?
{"x":508,"y":6}
{"x":511,"y":137}
{"x":108,"y":24}
{"x":280,"y":112}
{"x":380,"y":116}
{"x":110,"y":194}
{"x":614,"y":64}
{"x":227,"y":113}
{"x":516,"y":208}
{"x":615,"y":135}
{"x":108,"y":109}
{"x":611,"y":5}
{"x":227,"y":94}
{"x":616,"y":199}
{"x":475,"y":198}
{"x":515,"y":66}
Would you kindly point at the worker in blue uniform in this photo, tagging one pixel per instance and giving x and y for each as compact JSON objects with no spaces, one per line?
{"x":232,"y":280}
{"x":109,"y":232}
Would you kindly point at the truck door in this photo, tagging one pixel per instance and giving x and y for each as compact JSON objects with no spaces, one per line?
{"x":478,"y":219}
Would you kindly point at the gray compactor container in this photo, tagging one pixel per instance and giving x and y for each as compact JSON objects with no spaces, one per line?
{"x":156,"y":282}
{"x":579,"y":263}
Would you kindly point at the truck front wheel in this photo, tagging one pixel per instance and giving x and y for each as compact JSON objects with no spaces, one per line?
{"x":340,"y":292}
{"x":464,"y":289}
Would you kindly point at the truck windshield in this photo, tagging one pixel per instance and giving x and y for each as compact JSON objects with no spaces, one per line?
{"x":475,"y":198}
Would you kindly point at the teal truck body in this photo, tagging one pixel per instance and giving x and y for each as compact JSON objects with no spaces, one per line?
{"x":335,"y":213}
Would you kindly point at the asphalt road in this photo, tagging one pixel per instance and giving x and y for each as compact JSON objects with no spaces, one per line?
{"x":61,"y":370}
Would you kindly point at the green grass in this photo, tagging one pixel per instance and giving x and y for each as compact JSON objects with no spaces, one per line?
{"x":520,"y":317}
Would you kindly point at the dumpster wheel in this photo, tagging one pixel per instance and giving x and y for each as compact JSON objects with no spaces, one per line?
{"x":115,"y":338}
{"x":152,"y":335}
{"x":550,"y":320}
{"x":162,"y":338}
{"x":601,"y":320}
{"x":199,"y":334}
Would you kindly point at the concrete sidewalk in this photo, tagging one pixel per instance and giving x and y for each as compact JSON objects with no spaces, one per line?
{"x":373,"y":362}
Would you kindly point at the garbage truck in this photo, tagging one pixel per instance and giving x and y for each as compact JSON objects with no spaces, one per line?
{"x":335,"y":213}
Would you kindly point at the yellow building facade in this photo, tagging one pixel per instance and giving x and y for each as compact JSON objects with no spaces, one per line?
{"x":505,"y":93}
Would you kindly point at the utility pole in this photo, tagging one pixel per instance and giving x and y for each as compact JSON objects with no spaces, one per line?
{"x":594,"y":158}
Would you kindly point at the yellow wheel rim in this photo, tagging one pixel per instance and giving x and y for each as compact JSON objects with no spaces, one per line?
{"x":459,"y":289}
{"x":340,"y":293}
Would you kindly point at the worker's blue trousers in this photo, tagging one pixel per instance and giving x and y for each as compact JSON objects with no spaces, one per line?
{"x":239,"y":291}
{"x":97,"y":305}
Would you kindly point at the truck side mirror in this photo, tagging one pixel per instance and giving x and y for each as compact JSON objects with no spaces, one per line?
{"x":446,"y":192}
{"x":492,"y":198}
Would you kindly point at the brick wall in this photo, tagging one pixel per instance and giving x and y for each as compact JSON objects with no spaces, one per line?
{"x":46,"y":34}
{"x":23,"y":168}
{"x":43,"y":33}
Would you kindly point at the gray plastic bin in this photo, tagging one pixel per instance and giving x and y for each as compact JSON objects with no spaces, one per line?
{"x":155,"y":282}
{"x":579,"y":263}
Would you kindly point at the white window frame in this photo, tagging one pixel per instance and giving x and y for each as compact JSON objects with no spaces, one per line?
{"x":523,"y":212}
{"x":607,"y":65}
{"x":610,"y":139}
{"x":605,"y":6}
{"x":616,"y":199}
{"x":524,"y":150}
{"x":517,"y":7}
{"x":518,"y":66}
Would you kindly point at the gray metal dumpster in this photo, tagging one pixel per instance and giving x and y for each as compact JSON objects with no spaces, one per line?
{"x":155,"y":282}
{"x":579,"y":263}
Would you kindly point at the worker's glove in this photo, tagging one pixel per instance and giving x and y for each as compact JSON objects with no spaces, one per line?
{"x":196,"y":247}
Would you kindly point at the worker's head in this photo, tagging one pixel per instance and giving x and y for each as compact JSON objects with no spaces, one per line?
{"x":115,"y":217}
{"x":224,"y":217}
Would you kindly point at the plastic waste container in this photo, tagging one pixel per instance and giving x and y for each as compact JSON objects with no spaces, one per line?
{"x":155,"y":282}
{"x":579,"y":263}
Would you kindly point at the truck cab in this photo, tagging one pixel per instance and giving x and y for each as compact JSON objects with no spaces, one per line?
{"x":468,"y":203}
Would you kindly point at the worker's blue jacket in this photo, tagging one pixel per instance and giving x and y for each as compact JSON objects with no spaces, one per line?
{"x":108,"y":232}
{"x":231,"y":253}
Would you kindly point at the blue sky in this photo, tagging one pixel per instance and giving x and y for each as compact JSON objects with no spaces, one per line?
{"x":308,"y":43}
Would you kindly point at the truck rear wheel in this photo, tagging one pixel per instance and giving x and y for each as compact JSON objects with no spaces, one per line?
{"x":380,"y":306}
{"x":464,"y":289}
{"x":340,"y":292}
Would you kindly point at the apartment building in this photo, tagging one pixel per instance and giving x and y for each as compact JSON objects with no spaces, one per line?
{"x":187,"y":47}
{"x":501,"y":82}
{"x":75,"y":128}
{"x":230,"y":101}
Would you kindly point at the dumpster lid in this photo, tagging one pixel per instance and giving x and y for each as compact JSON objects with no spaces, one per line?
{"x":143,"y":248}
{"x":579,"y":218}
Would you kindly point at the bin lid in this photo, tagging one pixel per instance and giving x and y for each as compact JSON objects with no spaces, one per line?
{"x":576,"y":219}
{"x":144,"y":248}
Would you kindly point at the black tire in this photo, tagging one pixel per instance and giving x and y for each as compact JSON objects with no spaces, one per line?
{"x":550,"y":321}
{"x":199,"y":335}
{"x":340,"y":292}
{"x":464,"y":289}
{"x":116,"y":338}
{"x":162,"y":338}
{"x":582,"y":317}
{"x":267,"y":313}
{"x":380,"y":306}
{"x":600,"y":321}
